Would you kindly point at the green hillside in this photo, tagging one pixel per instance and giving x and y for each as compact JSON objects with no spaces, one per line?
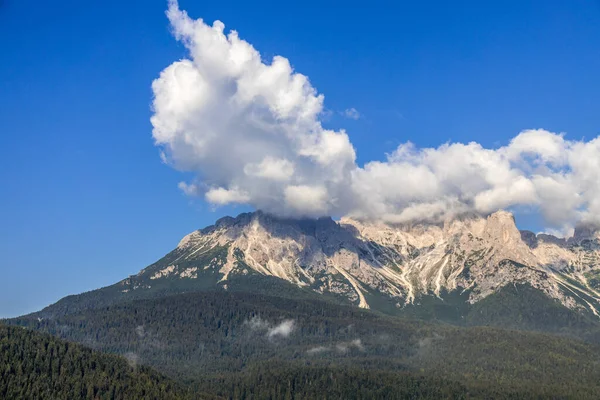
{"x":234,"y":342}
{"x":38,"y":366}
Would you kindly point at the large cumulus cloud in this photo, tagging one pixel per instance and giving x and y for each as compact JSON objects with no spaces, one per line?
{"x":537,"y":169}
{"x":250,"y":130}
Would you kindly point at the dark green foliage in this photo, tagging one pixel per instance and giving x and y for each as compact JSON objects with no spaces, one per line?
{"x":526,"y":309}
{"x":518,"y":306}
{"x":593,"y":279}
{"x":277,"y":380}
{"x":140,"y":286}
{"x":217,"y":342}
{"x":213,"y":331}
{"x":450,"y":307}
{"x":523,"y":307}
{"x":506,"y":361}
{"x":213,"y":337}
{"x":38,"y":366}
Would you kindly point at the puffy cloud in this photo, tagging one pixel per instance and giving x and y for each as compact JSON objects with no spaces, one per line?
{"x":544,"y":146}
{"x":271,"y":168}
{"x":307,"y":198}
{"x":539,"y":169}
{"x":221,"y":196}
{"x":251,"y":132}
{"x":436,"y":182}
{"x":249,"y":129}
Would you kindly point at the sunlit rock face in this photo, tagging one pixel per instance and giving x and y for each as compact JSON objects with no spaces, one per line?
{"x":357,"y":259}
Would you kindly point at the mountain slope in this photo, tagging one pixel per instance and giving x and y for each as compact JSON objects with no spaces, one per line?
{"x":255,"y":301}
{"x":38,"y":366}
{"x":371,"y":265}
{"x":354,"y":260}
{"x":222,"y":341}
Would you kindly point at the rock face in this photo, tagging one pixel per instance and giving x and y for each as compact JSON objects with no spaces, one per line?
{"x":358,"y":260}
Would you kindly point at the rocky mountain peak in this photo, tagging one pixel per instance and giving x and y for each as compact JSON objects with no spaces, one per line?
{"x":546,"y":238}
{"x":533,"y":240}
{"x":356,"y":259}
{"x":501,"y":228}
{"x":585,"y":232}
{"x":529,"y":238}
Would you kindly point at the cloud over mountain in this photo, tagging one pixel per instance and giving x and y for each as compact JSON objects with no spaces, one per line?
{"x":251,"y":132}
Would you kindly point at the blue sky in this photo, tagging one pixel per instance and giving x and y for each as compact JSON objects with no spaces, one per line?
{"x":85,"y":199}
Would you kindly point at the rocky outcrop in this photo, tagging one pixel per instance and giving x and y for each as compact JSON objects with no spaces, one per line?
{"x":355,"y":259}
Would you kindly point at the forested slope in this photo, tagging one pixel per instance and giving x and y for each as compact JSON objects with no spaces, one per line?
{"x":38,"y":366}
{"x":271,"y":347}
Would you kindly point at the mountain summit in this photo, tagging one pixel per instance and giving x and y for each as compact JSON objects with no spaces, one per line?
{"x":366,"y":262}
{"x":258,"y":291}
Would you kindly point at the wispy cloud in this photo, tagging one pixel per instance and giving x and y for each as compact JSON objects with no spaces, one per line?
{"x":318,"y":349}
{"x":341,"y":347}
{"x":284,"y":329}
{"x":257,"y":323}
{"x":344,"y":347}
{"x":351,"y":113}
{"x":132,"y":359}
{"x":140,"y":331}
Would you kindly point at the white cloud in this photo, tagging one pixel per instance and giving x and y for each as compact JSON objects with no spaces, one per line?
{"x":344,"y":347}
{"x":271,"y":168}
{"x":140,"y":331}
{"x":341,"y":347}
{"x":132,"y":359}
{"x":317,"y":350}
{"x":221,"y":196}
{"x":284,"y":329}
{"x":311,"y":199}
{"x":539,"y":169}
{"x":189,"y":189}
{"x":251,"y":132}
{"x":257,"y":323}
{"x":544,"y":146}
{"x":247,"y":128}
{"x":351,"y":113}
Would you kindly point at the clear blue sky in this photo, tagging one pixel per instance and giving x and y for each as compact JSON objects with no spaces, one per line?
{"x":85,"y":200}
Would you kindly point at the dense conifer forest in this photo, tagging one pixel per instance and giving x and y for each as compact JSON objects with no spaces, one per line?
{"x":249,"y":345}
{"x":38,"y":366}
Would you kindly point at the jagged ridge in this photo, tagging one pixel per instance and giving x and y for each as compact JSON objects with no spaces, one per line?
{"x":355,"y":260}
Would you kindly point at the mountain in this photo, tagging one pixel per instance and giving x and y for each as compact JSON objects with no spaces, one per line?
{"x":263,"y":307}
{"x":39,"y":366}
{"x":357,"y":260}
{"x":394,"y":269}
{"x":247,"y":345}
